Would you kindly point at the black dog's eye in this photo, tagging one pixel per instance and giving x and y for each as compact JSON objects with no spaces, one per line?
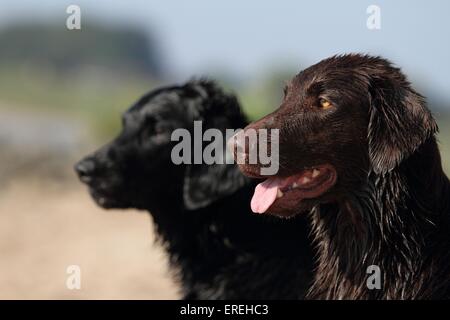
{"x":152,"y":126}
{"x":160,"y":129}
{"x":153,"y":130}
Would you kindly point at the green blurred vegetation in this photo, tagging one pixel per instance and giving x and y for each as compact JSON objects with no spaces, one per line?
{"x":97,"y":102}
{"x":91,"y":74}
{"x":265,"y":95}
{"x":95,"y":74}
{"x":61,"y":51}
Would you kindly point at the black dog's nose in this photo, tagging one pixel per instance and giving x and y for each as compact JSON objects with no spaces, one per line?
{"x":85,"y":169}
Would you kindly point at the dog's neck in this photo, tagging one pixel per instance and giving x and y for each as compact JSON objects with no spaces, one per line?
{"x":165,"y":201}
{"x":393,"y":224}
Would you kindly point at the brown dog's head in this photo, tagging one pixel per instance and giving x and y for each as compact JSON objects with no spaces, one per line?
{"x":339,"y":120}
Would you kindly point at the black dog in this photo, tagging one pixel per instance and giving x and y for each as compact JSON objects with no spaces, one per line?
{"x":358,"y":153}
{"x":221,"y":249}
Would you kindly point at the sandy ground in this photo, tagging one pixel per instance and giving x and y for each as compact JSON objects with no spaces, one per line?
{"x":45,"y":227}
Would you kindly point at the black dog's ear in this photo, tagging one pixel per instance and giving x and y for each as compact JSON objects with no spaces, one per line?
{"x":205,"y":184}
{"x":399,"y":121}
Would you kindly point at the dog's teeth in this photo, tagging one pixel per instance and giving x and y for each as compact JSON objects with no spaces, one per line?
{"x":315,"y":173}
{"x":279,"y":193}
{"x":295,"y":185}
{"x":305,"y":180}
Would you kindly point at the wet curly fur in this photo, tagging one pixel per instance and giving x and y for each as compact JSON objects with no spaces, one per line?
{"x":217,"y":247}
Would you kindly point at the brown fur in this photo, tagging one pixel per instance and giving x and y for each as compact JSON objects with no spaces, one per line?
{"x":390,"y":204}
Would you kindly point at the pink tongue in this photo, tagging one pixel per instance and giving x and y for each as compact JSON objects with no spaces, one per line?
{"x":265,"y":195}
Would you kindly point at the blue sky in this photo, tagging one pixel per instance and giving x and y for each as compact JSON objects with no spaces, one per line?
{"x":249,"y":38}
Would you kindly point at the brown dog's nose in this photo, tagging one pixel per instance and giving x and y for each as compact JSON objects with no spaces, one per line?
{"x":236,"y":144}
{"x":239,"y":143}
{"x":244,"y":145}
{"x":245,"y":142}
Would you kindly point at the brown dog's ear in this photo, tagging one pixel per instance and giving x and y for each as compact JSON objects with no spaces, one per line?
{"x":399,"y":121}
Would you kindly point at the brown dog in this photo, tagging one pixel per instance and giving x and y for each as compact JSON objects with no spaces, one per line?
{"x":357,"y":152}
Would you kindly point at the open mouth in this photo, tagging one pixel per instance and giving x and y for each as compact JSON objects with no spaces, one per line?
{"x":287,"y":192}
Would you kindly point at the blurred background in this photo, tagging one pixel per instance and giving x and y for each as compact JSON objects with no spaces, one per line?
{"x":62,"y":92}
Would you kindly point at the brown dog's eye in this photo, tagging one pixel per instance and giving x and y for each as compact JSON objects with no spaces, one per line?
{"x":325,"y":104}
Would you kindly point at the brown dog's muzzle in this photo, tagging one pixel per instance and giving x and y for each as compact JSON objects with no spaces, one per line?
{"x":245,"y":145}
{"x":281,"y":193}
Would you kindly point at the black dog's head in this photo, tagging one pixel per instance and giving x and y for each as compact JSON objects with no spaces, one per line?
{"x":136,"y":168}
{"x":339,"y":120}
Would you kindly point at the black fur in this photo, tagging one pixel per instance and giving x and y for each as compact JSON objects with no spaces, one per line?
{"x":219,"y":249}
